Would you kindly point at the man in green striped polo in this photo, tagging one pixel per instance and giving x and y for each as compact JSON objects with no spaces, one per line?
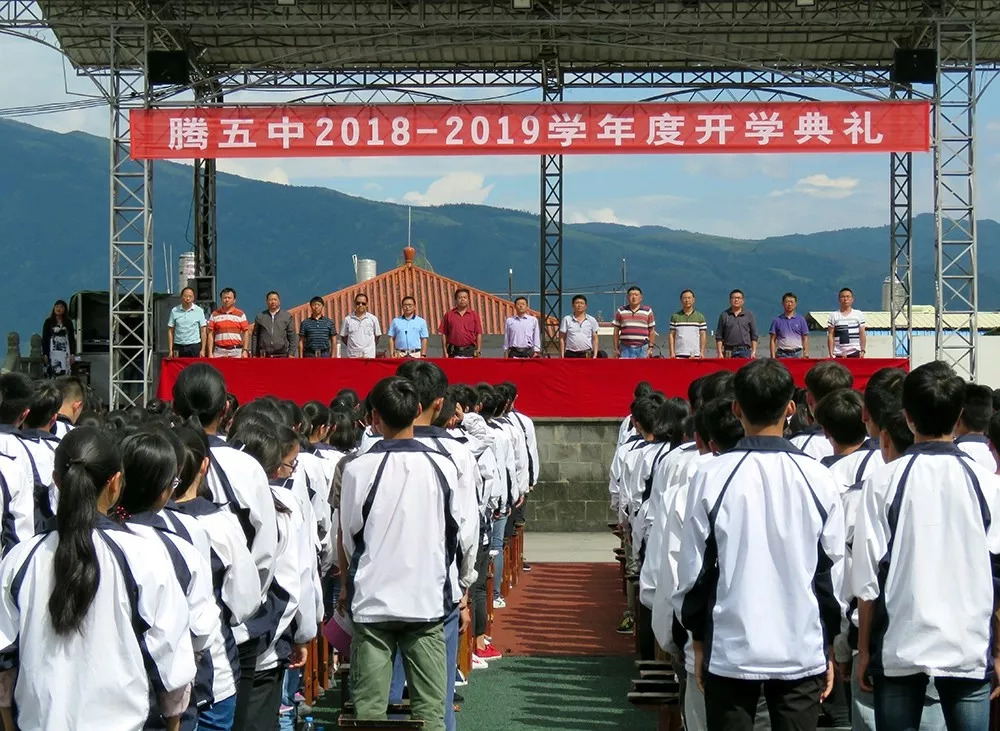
{"x":688,"y":330}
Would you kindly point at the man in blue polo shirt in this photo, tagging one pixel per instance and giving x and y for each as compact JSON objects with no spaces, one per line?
{"x":186,"y":328}
{"x":408,"y":333}
{"x":789,"y":331}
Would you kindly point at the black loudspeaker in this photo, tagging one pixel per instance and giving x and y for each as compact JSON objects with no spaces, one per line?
{"x":914,"y":66}
{"x":90,"y":314}
{"x":168,"y":67}
{"x":204,"y":288}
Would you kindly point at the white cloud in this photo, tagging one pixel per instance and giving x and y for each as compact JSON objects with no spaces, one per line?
{"x":458,"y":187}
{"x":598,"y":215}
{"x":268,"y":171}
{"x":822,"y":186}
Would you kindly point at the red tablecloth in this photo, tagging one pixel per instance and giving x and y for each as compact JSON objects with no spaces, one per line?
{"x":546,"y":387}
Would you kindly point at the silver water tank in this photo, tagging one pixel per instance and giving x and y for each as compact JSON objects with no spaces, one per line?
{"x":364,"y":269}
{"x":185,"y":269}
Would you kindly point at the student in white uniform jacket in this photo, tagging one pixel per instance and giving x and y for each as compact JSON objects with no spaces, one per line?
{"x":234,"y":478}
{"x":216,"y":533}
{"x":854,"y":456}
{"x":926,"y":552}
{"x":400,"y":536}
{"x":288,"y":619}
{"x":822,"y":379}
{"x":40,"y":444}
{"x":970,"y":431}
{"x":149,"y":474}
{"x":760,"y":563}
{"x":87,"y":591}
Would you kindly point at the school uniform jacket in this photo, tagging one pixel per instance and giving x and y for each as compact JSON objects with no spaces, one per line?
{"x":665,"y":627}
{"x":813,"y":442}
{"x":926,"y":551}
{"x":626,"y":430}
{"x":855,"y":467}
{"x":503,"y":450}
{"x":663,"y":483}
{"x":62,"y":427}
{"x":400,"y":534}
{"x":17,"y":521}
{"x":531,"y":442}
{"x":760,"y":562}
{"x":216,"y":534}
{"x":194,"y":575}
{"x":615,"y":485}
{"x":236,"y":479}
{"x":520,"y":444}
{"x":312,"y":471}
{"x":488,"y":483}
{"x":977,"y":446}
{"x":40,"y":449}
{"x":134,"y":644}
{"x":289,"y":614}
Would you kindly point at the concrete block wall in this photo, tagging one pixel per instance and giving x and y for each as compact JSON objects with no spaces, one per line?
{"x":572,"y":490}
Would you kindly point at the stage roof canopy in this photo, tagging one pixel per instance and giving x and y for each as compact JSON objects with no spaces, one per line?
{"x":224,"y":35}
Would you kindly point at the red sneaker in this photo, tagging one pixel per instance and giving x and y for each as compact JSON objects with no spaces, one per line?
{"x":489,"y":653}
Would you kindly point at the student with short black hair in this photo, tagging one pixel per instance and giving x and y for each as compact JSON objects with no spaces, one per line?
{"x":925,"y":566}
{"x":840,"y":415}
{"x":970,"y":431}
{"x":642,"y":390}
{"x":883,"y":390}
{"x":762,"y":515}
{"x":73,"y":398}
{"x":396,"y":502}
{"x":86,"y":591}
{"x":822,"y":379}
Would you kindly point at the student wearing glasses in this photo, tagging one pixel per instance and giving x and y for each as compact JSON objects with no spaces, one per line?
{"x":361,"y":330}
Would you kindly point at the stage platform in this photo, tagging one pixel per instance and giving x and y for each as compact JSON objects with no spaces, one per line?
{"x":547,"y":387}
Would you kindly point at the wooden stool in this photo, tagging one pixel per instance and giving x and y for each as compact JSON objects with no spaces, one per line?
{"x":310,"y":690}
{"x":465,"y":645}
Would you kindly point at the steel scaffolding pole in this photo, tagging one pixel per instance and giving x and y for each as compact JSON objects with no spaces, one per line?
{"x":955,"y":245}
{"x":131,"y":202}
{"x":551,"y":211}
{"x":206,"y":238}
{"x":901,"y":251}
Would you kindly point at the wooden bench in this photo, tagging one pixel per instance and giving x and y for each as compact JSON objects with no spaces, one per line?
{"x":393,"y":709}
{"x":665,"y":705}
{"x":316,"y":673}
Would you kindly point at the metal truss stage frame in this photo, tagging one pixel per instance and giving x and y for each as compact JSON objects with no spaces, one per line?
{"x":696,"y":49}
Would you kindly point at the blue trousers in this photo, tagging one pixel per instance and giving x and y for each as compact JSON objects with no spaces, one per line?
{"x":899,"y":702}
{"x":496,"y":544}
{"x":219,"y":717}
{"x":451,"y":653}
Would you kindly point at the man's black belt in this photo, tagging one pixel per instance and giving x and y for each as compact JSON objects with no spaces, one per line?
{"x":461,"y":351}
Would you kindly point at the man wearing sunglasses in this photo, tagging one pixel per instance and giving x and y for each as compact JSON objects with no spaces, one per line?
{"x":361,"y":330}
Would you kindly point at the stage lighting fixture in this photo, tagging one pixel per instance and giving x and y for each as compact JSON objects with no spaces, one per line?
{"x":286,"y":3}
{"x":805,"y":3}
{"x":522,"y":4}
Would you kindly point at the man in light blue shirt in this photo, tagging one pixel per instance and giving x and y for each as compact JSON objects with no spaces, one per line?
{"x":408,"y":333}
{"x":186,"y":328}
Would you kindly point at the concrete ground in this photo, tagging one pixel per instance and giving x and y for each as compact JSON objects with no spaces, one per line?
{"x":570,"y":547}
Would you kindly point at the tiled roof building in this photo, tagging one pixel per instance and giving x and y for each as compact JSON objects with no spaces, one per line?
{"x":434,"y":295}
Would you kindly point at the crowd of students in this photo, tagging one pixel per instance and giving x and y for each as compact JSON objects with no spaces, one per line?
{"x":167,"y":566}
{"x":817,"y":557}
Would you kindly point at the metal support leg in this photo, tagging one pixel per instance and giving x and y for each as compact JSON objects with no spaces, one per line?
{"x":901,"y":252}
{"x":131,"y":282}
{"x":957,"y":296}
{"x":550,"y":292}
{"x":205,"y":222}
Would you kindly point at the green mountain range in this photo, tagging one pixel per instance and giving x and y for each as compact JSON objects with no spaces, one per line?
{"x":298,"y":240}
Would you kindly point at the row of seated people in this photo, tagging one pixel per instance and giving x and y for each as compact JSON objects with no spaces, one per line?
{"x":816,"y":559}
{"x":202,"y":549}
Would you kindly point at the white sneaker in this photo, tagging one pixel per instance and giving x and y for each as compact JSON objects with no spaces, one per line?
{"x":499,"y":603}
{"x":478,"y":663}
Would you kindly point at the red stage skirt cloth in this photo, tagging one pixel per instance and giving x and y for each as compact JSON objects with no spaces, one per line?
{"x":547,"y":387}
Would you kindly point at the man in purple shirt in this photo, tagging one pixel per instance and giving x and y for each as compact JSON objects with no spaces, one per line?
{"x":789,"y":331}
{"x":521,"y":336}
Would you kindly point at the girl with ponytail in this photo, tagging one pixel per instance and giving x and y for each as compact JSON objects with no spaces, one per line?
{"x":86,"y":591}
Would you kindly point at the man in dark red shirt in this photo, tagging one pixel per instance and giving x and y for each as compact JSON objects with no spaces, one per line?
{"x":461,"y":330}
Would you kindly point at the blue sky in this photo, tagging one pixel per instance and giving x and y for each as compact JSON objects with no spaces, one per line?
{"x":747,"y":196}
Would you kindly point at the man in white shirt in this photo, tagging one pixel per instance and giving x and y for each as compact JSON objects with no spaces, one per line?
{"x":845,"y":329}
{"x":361,"y":330}
{"x":762,"y":515}
{"x":396,"y":503}
{"x":578,"y":333}
{"x":925,"y":567}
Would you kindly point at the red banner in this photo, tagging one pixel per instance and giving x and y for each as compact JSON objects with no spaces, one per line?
{"x":529,"y":129}
{"x":547,"y":387}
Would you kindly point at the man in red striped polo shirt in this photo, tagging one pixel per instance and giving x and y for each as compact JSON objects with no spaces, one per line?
{"x":229,"y":329}
{"x":635,"y":327}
